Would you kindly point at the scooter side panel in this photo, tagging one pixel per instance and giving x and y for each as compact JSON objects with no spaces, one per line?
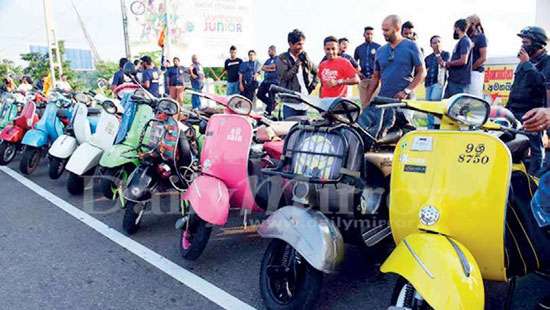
{"x":85,"y":157}
{"x":455,"y":184}
{"x":63,"y":147}
{"x":36,"y":138}
{"x":308,"y":231}
{"x":225,"y":155}
{"x":118,"y":155}
{"x":445,"y":276}
{"x":209,"y":198}
{"x":106,"y":131}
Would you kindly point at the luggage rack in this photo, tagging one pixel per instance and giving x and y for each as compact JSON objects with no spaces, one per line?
{"x":306,"y":145}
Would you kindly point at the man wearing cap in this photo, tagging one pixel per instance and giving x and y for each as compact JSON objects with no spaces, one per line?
{"x":531,"y":88}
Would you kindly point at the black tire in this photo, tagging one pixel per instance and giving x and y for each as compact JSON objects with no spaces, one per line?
{"x":302,"y":279}
{"x":57,"y":167}
{"x":75,"y":184}
{"x":132,"y":217}
{"x":196,"y":235}
{"x":109,"y":181}
{"x":404,"y":296}
{"x":7,"y":153}
{"x":30,"y":160}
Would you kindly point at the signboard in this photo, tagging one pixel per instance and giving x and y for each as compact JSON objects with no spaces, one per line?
{"x":203,"y":27}
{"x":498,"y":82}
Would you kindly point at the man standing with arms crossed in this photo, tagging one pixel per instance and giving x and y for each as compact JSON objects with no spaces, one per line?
{"x":366,"y":55}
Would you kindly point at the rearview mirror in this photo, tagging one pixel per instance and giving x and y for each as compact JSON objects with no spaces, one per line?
{"x":83,"y":98}
{"x":102,"y":83}
{"x":240,"y":105}
{"x":168,"y":107}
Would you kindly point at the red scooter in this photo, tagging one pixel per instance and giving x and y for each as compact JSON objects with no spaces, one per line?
{"x":13,"y":133}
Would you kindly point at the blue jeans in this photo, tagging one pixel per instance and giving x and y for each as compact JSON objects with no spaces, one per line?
{"x":536,"y":147}
{"x":454,"y":88}
{"x":289,"y":112}
{"x":196,"y":100}
{"x":433,"y":93}
{"x":232,"y":88}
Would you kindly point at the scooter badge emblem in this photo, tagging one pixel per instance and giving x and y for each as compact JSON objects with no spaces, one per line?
{"x":429,"y":215}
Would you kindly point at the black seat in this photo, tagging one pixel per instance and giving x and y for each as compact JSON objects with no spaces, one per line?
{"x":297,"y":118}
{"x":93,"y":111}
{"x":518,"y":147}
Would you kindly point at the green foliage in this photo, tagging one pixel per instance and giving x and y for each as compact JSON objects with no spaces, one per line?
{"x":38,"y":66}
{"x":8,"y":67}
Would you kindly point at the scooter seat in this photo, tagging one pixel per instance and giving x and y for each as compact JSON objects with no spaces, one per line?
{"x":297,"y":118}
{"x":518,"y":147}
{"x":93,"y":111}
{"x":391,"y":137}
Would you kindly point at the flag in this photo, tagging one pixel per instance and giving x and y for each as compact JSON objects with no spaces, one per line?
{"x":161,"y":38}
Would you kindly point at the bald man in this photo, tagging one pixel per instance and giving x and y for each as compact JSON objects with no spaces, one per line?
{"x":398,"y":66}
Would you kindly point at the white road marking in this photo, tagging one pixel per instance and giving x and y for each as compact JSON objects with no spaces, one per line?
{"x":191,"y":280}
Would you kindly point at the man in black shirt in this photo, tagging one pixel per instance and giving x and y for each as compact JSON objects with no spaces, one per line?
{"x":231,"y":67}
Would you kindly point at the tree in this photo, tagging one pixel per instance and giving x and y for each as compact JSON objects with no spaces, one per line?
{"x":8,"y":67}
{"x":38,"y":66}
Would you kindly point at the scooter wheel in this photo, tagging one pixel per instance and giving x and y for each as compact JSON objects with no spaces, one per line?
{"x":7,"y":152}
{"x":57,"y":166}
{"x":287,"y":280}
{"x":30,"y":160}
{"x":194,"y":237}
{"x":75,"y":184}
{"x":405,"y":297}
{"x":132,"y":217}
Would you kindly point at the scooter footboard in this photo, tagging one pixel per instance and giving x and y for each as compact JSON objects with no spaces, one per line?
{"x":209,"y":198}
{"x":308,"y":231}
{"x":441,"y":270}
{"x":84,"y":158}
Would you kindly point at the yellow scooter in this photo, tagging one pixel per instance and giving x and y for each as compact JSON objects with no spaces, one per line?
{"x":455,"y":202}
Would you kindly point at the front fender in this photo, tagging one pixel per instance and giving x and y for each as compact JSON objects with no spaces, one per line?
{"x":441,"y":269}
{"x":36,"y":138}
{"x":308,"y":231}
{"x":63,"y":147}
{"x":140,"y":182}
{"x":12,"y":133}
{"x":209,"y":198}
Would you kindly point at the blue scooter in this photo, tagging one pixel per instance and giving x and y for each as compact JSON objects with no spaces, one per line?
{"x":37,"y":141}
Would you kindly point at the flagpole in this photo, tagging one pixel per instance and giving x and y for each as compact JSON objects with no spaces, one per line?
{"x":125,"y":29}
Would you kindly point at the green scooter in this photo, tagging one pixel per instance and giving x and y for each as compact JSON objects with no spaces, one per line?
{"x":11,"y":105}
{"x":121,"y":159}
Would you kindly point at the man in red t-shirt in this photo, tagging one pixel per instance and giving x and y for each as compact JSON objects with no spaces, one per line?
{"x":335,"y":73}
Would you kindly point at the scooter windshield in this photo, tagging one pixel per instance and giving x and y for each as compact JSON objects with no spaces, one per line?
{"x":130,"y":108}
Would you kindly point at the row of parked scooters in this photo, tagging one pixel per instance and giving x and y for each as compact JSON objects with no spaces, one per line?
{"x":459,"y":195}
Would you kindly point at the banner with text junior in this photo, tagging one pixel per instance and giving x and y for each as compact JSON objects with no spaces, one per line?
{"x":203,"y":27}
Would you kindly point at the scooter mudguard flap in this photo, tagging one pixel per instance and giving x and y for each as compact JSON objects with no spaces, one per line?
{"x":441,"y":270}
{"x":140,"y":184}
{"x":36,"y":138}
{"x":84,"y":158}
{"x":310,"y":232}
{"x":118,"y":155}
{"x":63,"y":147}
{"x":209,"y":198}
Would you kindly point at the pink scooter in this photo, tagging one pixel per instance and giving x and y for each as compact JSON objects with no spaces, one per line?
{"x":230,"y":165}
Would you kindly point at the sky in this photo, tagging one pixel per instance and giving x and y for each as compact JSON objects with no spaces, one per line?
{"x":22,"y":23}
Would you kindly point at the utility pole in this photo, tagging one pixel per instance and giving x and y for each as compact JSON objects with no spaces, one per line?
{"x":52,"y":42}
{"x":125,"y":28}
{"x":86,"y":34}
{"x":167,"y":33}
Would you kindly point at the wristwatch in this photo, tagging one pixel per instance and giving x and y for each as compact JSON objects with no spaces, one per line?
{"x":407,"y":91}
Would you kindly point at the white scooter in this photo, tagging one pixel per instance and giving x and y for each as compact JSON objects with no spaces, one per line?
{"x":83,"y":122}
{"x":87,"y":155}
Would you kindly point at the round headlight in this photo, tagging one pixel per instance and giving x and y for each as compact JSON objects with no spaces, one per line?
{"x":109,"y":106}
{"x":468,"y":110}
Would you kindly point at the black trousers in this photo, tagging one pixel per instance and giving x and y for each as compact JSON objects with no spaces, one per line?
{"x":250,"y":90}
{"x":266,"y":97}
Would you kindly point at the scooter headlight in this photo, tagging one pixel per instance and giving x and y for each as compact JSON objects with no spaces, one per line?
{"x":468,"y":110}
{"x":109,"y":106}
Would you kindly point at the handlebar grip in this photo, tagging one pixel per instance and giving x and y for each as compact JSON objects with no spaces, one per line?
{"x":279,"y":89}
{"x":384,"y":100}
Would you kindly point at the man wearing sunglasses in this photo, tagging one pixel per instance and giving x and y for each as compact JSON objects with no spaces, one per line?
{"x":398,"y":66}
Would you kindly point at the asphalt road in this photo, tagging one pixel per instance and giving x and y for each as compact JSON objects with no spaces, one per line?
{"x":51,"y":260}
